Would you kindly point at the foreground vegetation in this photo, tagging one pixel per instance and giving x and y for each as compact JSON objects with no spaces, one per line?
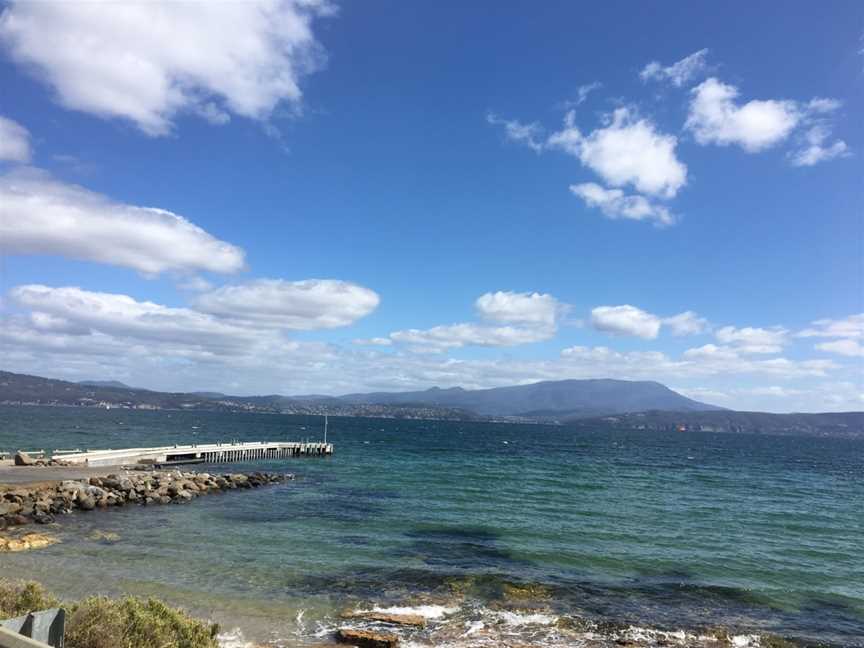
{"x":101,"y":622}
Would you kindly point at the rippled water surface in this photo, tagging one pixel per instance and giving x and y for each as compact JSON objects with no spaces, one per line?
{"x":759,"y":534}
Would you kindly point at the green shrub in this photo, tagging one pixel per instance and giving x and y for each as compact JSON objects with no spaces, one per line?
{"x":100,"y":622}
{"x":20,"y":597}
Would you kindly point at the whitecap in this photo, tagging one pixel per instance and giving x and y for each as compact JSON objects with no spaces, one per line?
{"x":524,"y":618}
{"x":426,"y":611}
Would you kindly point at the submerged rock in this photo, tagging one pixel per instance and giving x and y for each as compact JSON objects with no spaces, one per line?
{"x":366,"y":638}
{"x":26,"y":542}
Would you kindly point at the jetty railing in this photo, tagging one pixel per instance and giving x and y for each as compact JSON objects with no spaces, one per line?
{"x":199,"y":453}
{"x":9,"y":639}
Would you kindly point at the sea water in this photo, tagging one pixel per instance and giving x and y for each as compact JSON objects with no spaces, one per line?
{"x":497,"y":534}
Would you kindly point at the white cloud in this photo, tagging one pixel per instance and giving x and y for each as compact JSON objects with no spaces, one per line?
{"x":823,"y":105}
{"x":14,"y":141}
{"x":847,"y":347}
{"x":686,"y":323}
{"x":583,"y":91}
{"x":526,"y":318}
{"x":715,"y":118}
{"x":453,"y":336}
{"x":711,"y":359}
{"x":195,"y":284}
{"x":626,"y":151}
{"x":531,"y":135}
{"x":614,"y":204}
{"x":815,"y":149}
{"x":376,"y":341}
{"x":301,"y":305}
{"x":519,"y":308}
{"x":679,"y":72}
{"x":849,"y":327}
{"x":625,"y":320}
{"x":150,"y":61}
{"x":78,"y":312}
{"x":41,"y":215}
{"x":754,"y":340}
{"x":78,"y":334}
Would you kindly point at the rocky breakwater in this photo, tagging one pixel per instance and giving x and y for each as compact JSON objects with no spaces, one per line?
{"x":41,"y":504}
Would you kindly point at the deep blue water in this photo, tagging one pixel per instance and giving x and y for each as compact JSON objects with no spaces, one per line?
{"x":760,"y":534}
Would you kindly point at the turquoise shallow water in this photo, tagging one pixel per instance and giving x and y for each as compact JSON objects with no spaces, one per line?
{"x":761,"y":534}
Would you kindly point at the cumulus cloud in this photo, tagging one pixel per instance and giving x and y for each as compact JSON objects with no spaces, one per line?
{"x":679,"y":72}
{"x":76,"y":334}
{"x":848,"y":327}
{"x":628,"y":150}
{"x":14,"y":141}
{"x":754,"y":340}
{"x":625,"y":320}
{"x":147,"y":62}
{"x":847,"y":347}
{"x":714,"y":359}
{"x":633,"y":321}
{"x":686,"y":323}
{"x":77,"y":312}
{"x":531,"y":135}
{"x":519,"y":308}
{"x":816,"y":148}
{"x":524,"y":318}
{"x":41,"y":215}
{"x":715,"y":118}
{"x":452,"y":336}
{"x":300,"y":305}
{"x":615,"y":204}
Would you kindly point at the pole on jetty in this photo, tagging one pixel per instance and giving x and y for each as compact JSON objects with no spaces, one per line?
{"x":325,"y":429}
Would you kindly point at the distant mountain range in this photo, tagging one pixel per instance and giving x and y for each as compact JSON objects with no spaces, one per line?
{"x":637,"y":405}
{"x":571,"y":398}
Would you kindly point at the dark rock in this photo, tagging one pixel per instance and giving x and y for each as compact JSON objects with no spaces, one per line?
{"x":366,"y":638}
{"x":86,"y":503}
{"x":23,"y":459}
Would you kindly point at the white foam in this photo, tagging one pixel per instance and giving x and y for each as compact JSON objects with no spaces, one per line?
{"x":476,"y":626}
{"x":522,"y":618}
{"x":233,"y":639}
{"x":426,"y":611}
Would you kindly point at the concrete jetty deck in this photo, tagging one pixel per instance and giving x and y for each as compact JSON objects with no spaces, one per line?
{"x":199,"y":453}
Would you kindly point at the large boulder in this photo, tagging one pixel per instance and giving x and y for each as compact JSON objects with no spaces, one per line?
{"x":9,"y":508}
{"x":23,"y":459}
{"x":366,"y":638}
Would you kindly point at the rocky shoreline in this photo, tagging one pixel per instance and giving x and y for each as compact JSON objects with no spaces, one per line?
{"x":42,"y":503}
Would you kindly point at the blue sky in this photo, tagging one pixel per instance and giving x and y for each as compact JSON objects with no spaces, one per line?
{"x":305,"y":197}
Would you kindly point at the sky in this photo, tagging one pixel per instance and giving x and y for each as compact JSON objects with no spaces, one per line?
{"x":303,"y":196}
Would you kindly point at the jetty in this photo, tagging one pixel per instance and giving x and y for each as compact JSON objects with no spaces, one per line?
{"x":191,"y":454}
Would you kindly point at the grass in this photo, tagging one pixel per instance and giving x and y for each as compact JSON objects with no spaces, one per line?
{"x":101,"y":622}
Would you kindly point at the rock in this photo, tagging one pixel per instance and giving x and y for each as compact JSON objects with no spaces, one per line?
{"x":43,"y":517}
{"x":9,"y":508}
{"x":26,"y":542}
{"x":23,"y":459}
{"x":366,"y":638}
{"x":86,"y":503}
{"x":104,"y":536}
